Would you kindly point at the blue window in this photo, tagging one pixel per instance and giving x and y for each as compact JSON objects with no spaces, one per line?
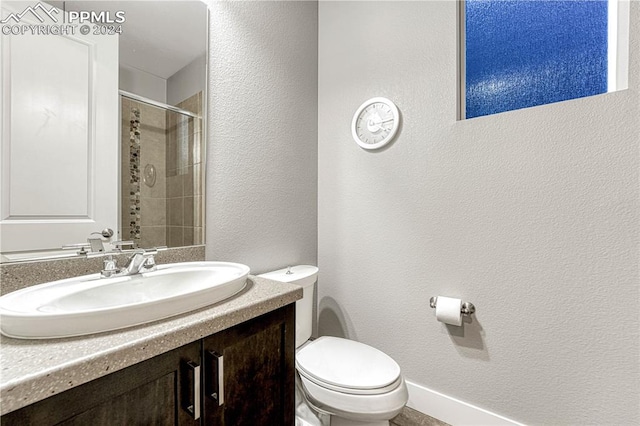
{"x":521,"y":53}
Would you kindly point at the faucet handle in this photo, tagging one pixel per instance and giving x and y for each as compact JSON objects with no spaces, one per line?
{"x":109,"y":266}
{"x":150,"y":261}
{"x":149,"y":264}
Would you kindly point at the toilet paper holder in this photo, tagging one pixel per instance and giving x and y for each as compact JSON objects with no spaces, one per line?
{"x":466,"y":309}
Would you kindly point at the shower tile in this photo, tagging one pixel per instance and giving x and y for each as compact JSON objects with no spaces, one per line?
{"x":124,"y":213}
{"x":171,"y":121}
{"x":188,"y":181}
{"x":175,"y":211}
{"x":175,"y":236}
{"x":124,"y":234}
{"x":175,"y":184}
{"x":154,"y":149}
{"x":153,"y":236}
{"x":153,"y":211}
{"x":189,"y":211}
{"x":194,"y":104}
{"x":191,"y":104}
{"x":171,"y":172}
{"x":171,"y":152}
{"x":192,"y":126}
{"x":182,"y":145}
{"x":153,"y":137}
{"x":153,"y":117}
{"x":188,"y":236}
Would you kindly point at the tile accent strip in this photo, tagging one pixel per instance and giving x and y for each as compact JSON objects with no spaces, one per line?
{"x":134,"y":176}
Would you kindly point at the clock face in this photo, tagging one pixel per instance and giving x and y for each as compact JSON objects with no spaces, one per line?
{"x":375,"y":123}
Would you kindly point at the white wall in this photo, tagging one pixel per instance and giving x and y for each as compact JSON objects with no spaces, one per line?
{"x":261,"y":197}
{"x":187,"y":81}
{"x":142,"y":83}
{"x":532,"y":215}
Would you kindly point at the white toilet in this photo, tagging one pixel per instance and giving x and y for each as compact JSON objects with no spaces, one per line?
{"x":354,"y":383}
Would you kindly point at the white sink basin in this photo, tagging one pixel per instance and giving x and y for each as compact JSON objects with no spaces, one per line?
{"x":91,"y":304}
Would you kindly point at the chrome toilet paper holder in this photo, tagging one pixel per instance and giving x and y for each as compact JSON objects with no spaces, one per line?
{"x":466,"y":309}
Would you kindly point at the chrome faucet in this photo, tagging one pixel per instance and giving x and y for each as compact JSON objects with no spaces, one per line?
{"x":140,"y":261}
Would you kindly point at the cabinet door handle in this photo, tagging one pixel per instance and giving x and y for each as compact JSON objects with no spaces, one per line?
{"x":191,"y":388}
{"x":214,"y":383}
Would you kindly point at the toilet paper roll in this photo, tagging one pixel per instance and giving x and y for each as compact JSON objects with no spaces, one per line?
{"x":448,"y":310}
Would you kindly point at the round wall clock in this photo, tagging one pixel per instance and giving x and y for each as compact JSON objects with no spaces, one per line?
{"x":375,"y":123}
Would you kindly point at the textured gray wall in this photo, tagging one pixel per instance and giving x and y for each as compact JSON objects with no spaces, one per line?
{"x":532,"y":215}
{"x":261,"y":197}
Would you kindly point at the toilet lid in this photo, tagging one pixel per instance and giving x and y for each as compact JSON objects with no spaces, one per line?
{"x":347,"y":364}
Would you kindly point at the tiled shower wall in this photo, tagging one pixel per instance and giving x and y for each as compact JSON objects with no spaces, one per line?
{"x":143,"y":142}
{"x":184,"y":175}
{"x":169,"y":210}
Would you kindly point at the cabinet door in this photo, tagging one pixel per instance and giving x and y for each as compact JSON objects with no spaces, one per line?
{"x":249,"y":372}
{"x":159,"y":391}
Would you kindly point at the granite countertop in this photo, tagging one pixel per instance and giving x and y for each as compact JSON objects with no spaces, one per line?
{"x":32,"y":370}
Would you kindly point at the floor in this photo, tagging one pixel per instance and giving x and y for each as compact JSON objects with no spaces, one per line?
{"x":411,"y":417}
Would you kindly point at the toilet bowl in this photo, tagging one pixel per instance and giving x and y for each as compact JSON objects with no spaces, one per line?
{"x":351,"y":380}
{"x":354,"y":383}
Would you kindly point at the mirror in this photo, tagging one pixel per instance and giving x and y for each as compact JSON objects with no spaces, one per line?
{"x":139,"y":112}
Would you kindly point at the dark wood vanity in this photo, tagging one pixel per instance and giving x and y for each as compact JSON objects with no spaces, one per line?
{"x":244,"y":375}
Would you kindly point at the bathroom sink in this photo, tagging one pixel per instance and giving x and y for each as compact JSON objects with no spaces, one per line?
{"x":92,"y":304}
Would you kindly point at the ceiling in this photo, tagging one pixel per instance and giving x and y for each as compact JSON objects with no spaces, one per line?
{"x":158,"y":37}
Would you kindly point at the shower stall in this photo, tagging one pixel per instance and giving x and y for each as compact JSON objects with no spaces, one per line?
{"x":161,"y":172}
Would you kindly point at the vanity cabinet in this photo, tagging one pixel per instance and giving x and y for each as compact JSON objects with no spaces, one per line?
{"x":258,"y":373}
{"x":244,"y":375}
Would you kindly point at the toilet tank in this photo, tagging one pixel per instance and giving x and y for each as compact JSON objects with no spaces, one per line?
{"x":304,"y":276}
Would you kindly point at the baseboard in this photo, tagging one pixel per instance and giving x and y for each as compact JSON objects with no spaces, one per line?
{"x":451,"y":410}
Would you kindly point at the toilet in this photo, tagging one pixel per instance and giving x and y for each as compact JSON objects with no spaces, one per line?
{"x":354,"y":383}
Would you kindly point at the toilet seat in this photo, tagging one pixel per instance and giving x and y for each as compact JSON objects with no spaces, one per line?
{"x":351,"y":391}
{"x":348,"y":366}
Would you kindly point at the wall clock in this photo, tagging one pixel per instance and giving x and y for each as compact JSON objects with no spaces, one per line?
{"x":375,"y":123}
